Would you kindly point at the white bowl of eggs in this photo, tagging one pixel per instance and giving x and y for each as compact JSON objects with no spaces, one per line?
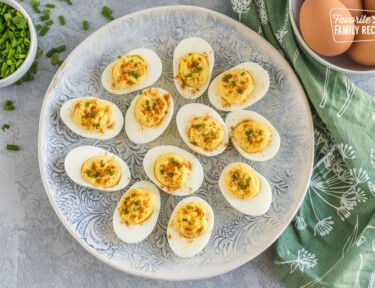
{"x":331,"y":31}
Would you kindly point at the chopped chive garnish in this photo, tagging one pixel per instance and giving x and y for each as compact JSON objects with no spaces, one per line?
{"x":38,"y":27}
{"x":50,"y":5}
{"x":134,"y":74}
{"x":8,"y":105}
{"x":111,"y":173}
{"x":55,"y":59}
{"x":49,"y":22}
{"x":119,"y":57}
{"x":193,"y":142}
{"x":44,"y":17}
{"x":35,"y":3}
{"x":12,"y":147}
{"x":235,"y":176}
{"x":39,"y":53}
{"x":85,"y":25}
{"x":51,"y":52}
{"x":184,"y":219}
{"x":162,"y":172}
{"x":97,"y":126}
{"x":242,"y":185}
{"x":91,"y":115}
{"x":240,"y":91}
{"x":233,"y":83}
{"x":44,"y":31}
{"x":34,"y":67}
{"x":5,"y":127}
{"x":170,"y":174}
{"x":60,"y":48}
{"x":36,"y":9}
{"x":227,"y":77}
{"x":102,"y":163}
{"x":260,"y":132}
{"x":140,"y":92}
{"x":62,"y":20}
{"x":107,"y":12}
{"x":46,"y":12}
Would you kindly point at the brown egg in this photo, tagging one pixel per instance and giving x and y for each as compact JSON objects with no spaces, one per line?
{"x":315,"y":24}
{"x":369,"y":5}
{"x":356,"y":5}
{"x":362,"y":51}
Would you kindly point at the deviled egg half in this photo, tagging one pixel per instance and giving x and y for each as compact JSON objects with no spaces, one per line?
{"x":253,"y":135}
{"x":193,"y":62}
{"x":202,"y":129}
{"x":173,"y":170}
{"x":245,"y":189}
{"x":92,"y":117}
{"x":137,"y":212}
{"x":239,"y":87}
{"x":96,"y":168}
{"x":149,"y":115}
{"x":190,"y":226}
{"x":136,"y":70}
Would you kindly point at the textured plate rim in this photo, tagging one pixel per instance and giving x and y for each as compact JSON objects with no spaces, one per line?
{"x":223,"y":268}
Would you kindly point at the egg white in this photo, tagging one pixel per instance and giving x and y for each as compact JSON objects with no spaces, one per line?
{"x":66,"y":115}
{"x":183,"y":120}
{"x":137,"y":233}
{"x":234,"y":118}
{"x":261,"y":84}
{"x":141,"y":134}
{"x":186,"y":46}
{"x":194,"y":179}
{"x":77,"y":157}
{"x":154,"y":70}
{"x":255,"y":206}
{"x":188,"y":247}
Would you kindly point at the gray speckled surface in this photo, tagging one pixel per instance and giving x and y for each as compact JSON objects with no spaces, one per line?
{"x":36,"y":249}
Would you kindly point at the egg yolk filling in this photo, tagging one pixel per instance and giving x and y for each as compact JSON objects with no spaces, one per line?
{"x":194,"y":69}
{"x":93,"y":115}
{"x":101,"y":171}
{"x":171,"y":170}
{"x":241,"y":182}
{"x":151,"y":107}
{"x":137,"y":206}
{"x":129,"y":71}
{"x":235,"y":86}
{"x":252,"y":136}
{"x":206,"y":133}
{"x":190,"y":220}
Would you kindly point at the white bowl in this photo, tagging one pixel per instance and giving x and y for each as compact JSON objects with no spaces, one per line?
{"x":16,"y":75}
{"x":340,"y":63}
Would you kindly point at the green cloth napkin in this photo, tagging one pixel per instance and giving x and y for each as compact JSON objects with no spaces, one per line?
{"x":331,"y":240}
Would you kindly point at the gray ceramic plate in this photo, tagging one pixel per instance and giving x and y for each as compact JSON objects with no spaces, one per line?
{"x":236,"y":238}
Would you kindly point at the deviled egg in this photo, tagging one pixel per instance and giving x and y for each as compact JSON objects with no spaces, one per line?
{"x":202,"y":129}
{"x":173,"y":170}
{"x":193,"y":62}
{"x":96,"y":168}
{"x":252,"y":135}
{"x":190,"y":226}
{"x":136,"y":70}
{"x":245,"y":189}
{"x":137,"y":212}
{"x":239,"y":87}
{"x":92,"y":117}
{"x":149,"y":115}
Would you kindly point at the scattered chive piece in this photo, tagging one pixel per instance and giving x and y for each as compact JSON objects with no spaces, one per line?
{"x":134,"y":74}
{"x":85,"y":25}
{"x":119,"y":57}
{"x":8,"y":105}
{"x":36,"y":9}
{"x":69,"y":2}
{"x":51,"y":52}
{"x":18,"y":83}
{"x":35,"y":3}
{"x":44,"y":17}
{"x":111,"y":173}
{"x":38,"y":27}
{"x":46,"y":12}
{"x":193,"y":142}
{"x":62,"y":20}
{"x":170,"y":174}
{"x":12,"y":147}
{"x":227,"y":77}
{"x":34,"y":67}
{"x":60,"y":48}
{"x":55,"y":59}
{"x":49,"y":22}
{"x":5,"y":127}
{"x":44,"y":31}
{"x":107,"y":12}
{"x":60,"y":62}
{"x":50,"y":5}
{"x":102,"y":163}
